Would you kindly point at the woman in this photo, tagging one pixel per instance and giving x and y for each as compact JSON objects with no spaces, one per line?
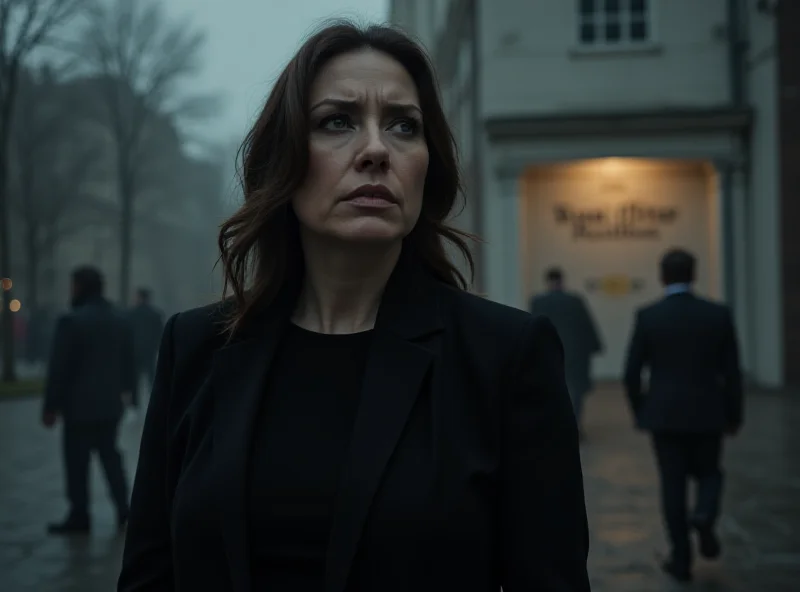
{"x":353,"y":419}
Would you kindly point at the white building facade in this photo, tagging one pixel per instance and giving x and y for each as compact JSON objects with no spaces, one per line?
{"x":596,"y":134}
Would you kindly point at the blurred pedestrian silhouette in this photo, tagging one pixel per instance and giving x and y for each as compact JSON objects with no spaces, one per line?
{"x":148,"y":323}
{"x":570,"y":314}
{"x":694,"y":397}
{"x":90,"y":376}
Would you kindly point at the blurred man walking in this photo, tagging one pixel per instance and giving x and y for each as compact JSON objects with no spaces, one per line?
{"x":694,"y":397}
{"x":573,"y":321}
{"x":90,"y":375}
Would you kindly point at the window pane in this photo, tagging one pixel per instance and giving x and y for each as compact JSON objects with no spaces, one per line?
{"x":612,"y":7}
{"x":638,"y":7}
{"x":587,"y":7}
{"x":613,"y":32}
{"x":638,"y":30}
{"x":588,"y":34}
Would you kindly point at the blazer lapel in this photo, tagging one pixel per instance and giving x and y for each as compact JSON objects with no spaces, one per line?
{"x":239,"y":375}
{"x":396,"y":369}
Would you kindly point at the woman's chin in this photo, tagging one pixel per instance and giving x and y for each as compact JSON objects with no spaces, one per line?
{"x":372,"y":231}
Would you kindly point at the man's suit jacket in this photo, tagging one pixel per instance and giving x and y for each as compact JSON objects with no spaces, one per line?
{"x":689,"y":345}
{"x":91,"y":364}
{"x":576,"y":328}
{"x":464,"y":469}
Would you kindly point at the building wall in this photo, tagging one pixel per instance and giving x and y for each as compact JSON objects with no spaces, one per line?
{"x":425,"y":19}
{"x":458,"y":80}
{"x":531,"y":65}
{"x":763,"y":202}
{"x":532,"y":62}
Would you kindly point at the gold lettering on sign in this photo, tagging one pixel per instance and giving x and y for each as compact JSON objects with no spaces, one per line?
{"x":627,"y":221}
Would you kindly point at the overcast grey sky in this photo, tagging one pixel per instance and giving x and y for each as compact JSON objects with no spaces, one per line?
{"x":249,"y":41}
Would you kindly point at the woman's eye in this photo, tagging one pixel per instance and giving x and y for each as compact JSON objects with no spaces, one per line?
{"x":335,"y":122}
{"x":406,"y":126}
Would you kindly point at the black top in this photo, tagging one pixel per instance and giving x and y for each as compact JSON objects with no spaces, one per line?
{"x":299,"y":445}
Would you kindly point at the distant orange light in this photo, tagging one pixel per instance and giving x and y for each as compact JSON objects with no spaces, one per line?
{"x":7,"y":284}
{"x":14,"y":305}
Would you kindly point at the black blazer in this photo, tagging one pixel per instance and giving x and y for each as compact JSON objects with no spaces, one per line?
{"x":689,"y":345}
{"x":464,"y":469}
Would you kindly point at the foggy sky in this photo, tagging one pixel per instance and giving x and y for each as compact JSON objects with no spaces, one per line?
{"x":249,"y":41}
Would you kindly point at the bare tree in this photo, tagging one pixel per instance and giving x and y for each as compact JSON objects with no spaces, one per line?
{"x":54,"y":157}
{"x":25,"y":26}
{"x":141,"y":58}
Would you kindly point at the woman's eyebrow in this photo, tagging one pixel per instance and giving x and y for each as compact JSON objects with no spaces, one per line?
{"x":352,"y":105}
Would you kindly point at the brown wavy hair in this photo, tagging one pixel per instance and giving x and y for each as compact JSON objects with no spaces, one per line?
{"x":259,"y":245}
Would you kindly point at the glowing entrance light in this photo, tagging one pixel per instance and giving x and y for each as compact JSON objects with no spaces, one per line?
{"x":14,"y":305}
{"x":612,"y":166}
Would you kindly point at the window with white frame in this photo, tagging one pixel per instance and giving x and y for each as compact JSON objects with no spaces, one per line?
{"x":614,"y":22}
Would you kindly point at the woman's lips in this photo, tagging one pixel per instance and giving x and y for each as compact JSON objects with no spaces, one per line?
{"x":369,"y":201}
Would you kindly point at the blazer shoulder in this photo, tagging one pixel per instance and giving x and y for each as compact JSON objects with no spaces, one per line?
{"x":714,"y":305}
{"x":494,"y":325}
{"x":484,"y":311}
{"x":201,"y":323}
{"x":196,"y":331}
{"x":500,"y":338}
{"x":188,"y":343}
{"x":718,"y":310}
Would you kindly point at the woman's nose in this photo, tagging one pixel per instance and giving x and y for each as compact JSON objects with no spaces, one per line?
{"x":375,"y":153}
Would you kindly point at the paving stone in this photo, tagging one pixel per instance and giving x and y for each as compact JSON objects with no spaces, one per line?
{"x":760,"y":527}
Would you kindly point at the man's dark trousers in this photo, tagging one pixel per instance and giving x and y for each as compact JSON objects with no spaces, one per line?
{"x":81,"y":438}
{"x":681,"y":456}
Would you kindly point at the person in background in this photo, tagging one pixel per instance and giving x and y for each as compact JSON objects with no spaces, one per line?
{"x":694,"y":397}
{"x":148,"y":323}
{"x":90,"y":376}
{"x":578,"y":332}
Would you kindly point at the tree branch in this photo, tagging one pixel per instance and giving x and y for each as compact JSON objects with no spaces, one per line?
{"x":55,"y":162}
{"x":142,"y":57}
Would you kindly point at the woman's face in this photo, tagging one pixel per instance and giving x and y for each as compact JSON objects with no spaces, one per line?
{"x":367,"y":153}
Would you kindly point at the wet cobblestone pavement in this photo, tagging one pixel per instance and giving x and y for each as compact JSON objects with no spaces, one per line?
{"x":760,"y":527}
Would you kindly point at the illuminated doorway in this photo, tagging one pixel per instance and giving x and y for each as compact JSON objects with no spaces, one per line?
{"x":606,"y":223}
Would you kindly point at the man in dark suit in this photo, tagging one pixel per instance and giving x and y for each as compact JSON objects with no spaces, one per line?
{"x":694,"y":397}
{"x":573,"y":321}
{"x":90,"y":375}
{"x":148,"y":323}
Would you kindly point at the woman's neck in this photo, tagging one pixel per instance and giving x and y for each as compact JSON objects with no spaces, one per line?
{"x":342,"y":287}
